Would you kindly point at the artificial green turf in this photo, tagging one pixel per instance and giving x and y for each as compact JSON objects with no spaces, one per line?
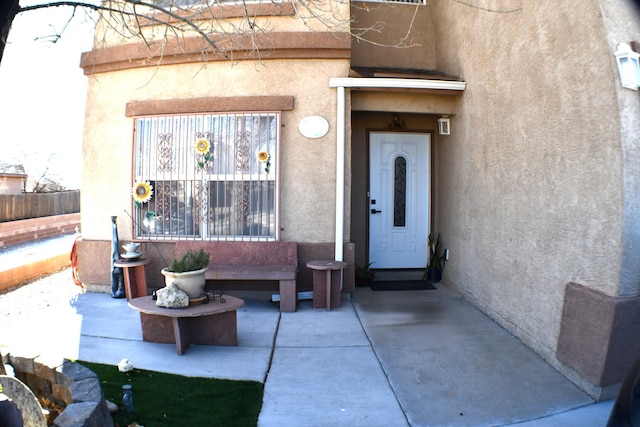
{"x":161,"y":399}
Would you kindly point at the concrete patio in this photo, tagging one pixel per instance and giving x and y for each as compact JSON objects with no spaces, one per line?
{"x":395,"y":358}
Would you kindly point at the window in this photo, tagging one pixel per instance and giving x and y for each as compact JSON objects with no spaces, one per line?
{"x":420,"y":2}
{"x":214,"y":176}
{"x":399,"y":192}
{"x":198,"y":3}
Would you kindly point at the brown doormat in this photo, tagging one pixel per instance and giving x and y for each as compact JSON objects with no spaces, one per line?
{"x":401,"y":285}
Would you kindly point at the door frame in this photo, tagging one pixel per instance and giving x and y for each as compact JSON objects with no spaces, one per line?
{"x":431,"y":177}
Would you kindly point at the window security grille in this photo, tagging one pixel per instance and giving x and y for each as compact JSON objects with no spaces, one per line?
{"x":421,"y":2}
{"x":214,"y":176}
{"x":201,"y":3}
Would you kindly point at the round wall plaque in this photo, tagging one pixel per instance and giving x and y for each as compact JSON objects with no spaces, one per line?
{"x":314,"y":126}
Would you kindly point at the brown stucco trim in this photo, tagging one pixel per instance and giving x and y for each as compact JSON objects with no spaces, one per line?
{"x":599,"y":334}
{"x":286,"y":45}
{"x":224,"y":11}
{"x":219,"y":104}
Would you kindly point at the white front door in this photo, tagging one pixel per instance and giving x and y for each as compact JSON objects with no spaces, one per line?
{"x":399,"y":195}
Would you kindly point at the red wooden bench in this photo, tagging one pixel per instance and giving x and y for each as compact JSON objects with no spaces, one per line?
{"x":273,"y":261}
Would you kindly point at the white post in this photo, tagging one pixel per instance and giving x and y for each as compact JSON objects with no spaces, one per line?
{"x":340,"y":144}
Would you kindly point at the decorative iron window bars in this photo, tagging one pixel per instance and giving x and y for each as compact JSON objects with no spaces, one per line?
{"x":215,"y":176}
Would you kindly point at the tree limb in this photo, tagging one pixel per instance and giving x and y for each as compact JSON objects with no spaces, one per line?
{"x":133,"y":14}
{"x":8,"y":11}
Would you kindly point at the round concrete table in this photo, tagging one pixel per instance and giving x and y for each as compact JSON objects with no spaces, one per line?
{"x":329,"y":267}
{"x":213,"y":323}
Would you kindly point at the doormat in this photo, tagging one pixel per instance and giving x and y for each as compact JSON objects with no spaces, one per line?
{"x":401,"y":285}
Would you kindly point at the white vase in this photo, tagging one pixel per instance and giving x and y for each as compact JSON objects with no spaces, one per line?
{"x":191,"y":282}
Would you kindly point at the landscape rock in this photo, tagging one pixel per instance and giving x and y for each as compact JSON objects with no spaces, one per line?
{"x":172,"y":297}
{"x":27,"y":402}
{"x":125,"y":365}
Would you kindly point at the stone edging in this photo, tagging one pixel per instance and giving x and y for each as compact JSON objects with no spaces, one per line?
{"x":67,"y":382}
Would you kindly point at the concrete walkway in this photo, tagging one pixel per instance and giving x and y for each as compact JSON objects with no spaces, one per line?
{"x":408,"y":358}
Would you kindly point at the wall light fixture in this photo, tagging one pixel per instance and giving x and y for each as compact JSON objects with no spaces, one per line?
{"x":628,"y":66}
{"x":444,"y":125}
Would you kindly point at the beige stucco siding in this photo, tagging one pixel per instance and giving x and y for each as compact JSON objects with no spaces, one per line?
{"x":393,"y":35}
{"x":621,"y":28}
{"x":307,"y":169}
{"x":224,"y":24}
{"x":533,"y":195}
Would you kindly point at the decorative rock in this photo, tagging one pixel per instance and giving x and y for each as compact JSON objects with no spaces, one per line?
{"x":23,"y":363}
{"x":172,"y":297}
{"x":26,"y":401}
{"x":125,"y":365}
{"x":76,"y":414}
{"x":85,"y":390}
{"x":69,"y":384}
{"x":71,"y":372}
{"x":113,"y":408}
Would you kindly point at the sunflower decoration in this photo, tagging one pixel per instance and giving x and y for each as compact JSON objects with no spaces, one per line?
{"x":142,"y":192}
{"x":203,"y":145}
{"x":264,"y":157}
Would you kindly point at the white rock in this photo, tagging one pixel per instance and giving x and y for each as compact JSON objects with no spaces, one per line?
{"x":172,"y":297}
{"x":125,"y":365}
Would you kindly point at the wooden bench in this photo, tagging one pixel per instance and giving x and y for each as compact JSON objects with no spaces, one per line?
{"x":274,"y":261}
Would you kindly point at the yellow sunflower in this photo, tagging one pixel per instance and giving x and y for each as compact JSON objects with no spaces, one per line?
{"x":202,"y":146}
{"x":142,"y":192}
{"x":263,"y":156}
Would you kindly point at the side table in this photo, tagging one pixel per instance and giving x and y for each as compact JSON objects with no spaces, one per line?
{"x":135,"y":280}
{"x":329,"y":272}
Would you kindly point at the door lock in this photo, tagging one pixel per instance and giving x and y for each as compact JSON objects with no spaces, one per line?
{"x":375,"y":211}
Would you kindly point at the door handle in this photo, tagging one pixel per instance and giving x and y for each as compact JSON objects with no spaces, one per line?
{"x":375,"y":211}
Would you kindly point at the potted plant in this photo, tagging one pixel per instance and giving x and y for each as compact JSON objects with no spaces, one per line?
{"x":436,"y":260}
{"x":188,"y":272}
{"x":364,"y":276}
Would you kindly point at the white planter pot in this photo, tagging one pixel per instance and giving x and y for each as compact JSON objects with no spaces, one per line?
{"x":191,"y":282}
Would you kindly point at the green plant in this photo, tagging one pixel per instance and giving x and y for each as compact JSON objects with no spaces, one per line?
{"x":190,"y":261}
{"x":436,"y":259}
{"x":364,"y":274}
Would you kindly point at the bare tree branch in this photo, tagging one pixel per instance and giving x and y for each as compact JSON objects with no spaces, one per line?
{"x":143,"y":18}
{"x":8,"y":11}
{"x":133,"y":14}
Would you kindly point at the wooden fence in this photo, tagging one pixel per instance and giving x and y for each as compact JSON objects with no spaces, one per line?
{"x":35,"y":205}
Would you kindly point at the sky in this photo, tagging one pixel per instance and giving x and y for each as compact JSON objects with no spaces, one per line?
{"x":43,"y":92}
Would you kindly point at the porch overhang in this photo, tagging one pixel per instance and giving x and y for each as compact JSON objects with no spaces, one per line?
{"x":369,"y":83}
{"x":372,"y":83}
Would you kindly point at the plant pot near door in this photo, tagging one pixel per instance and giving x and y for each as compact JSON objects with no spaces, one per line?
{"x":433,"y":275}
{"x":435,"y":262}
{"x":364,"y":276}
{"x":188,"y":273}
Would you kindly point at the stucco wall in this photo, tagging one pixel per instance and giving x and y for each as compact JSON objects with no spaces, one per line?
{"x":534,"y":193}
{"x":623,"y":26}
{"x":307,"y":165}
{"x":393,"y":35}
